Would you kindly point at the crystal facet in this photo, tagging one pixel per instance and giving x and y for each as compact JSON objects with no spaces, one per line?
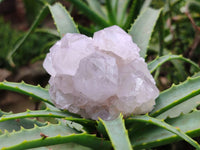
{"x":100,"y":76}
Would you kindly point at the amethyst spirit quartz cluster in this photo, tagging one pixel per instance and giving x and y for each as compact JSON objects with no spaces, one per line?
{"x":101,"y":76}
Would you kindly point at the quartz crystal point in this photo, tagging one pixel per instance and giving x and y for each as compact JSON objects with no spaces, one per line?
{"x":100,"y":76}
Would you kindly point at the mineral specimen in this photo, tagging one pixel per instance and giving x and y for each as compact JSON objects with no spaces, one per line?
{"x":100,"y":76}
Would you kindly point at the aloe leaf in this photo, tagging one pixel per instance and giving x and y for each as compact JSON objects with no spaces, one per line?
{"x":40,"y":16}
{"x":114,"y":5}
{"x":152,"y":136}
{"x":88,"y":124}
{"x":30,"y":90}
{"x":145,"y":5}
{"x":48,"y":31}
{"x":152,"y":66}
{"x":143,"y":27}
{"x":117,"y":133}
{"x":111,"y":11}
{"x":51,"y":134}
{"x":176,"y":95}
{"x":96,"y":7}
{"x":90,"y":13}
{"x":196,"y":75}
{"x":16,"y":125}
{"x":37,"y":113}
{"x":133,"y":13}
{"x":183,"y":108}
{"x":62,"y":19}
{"x":43,"y":95}
{"x":122,"y":6}
{"x":85,"y":30}
{"x":160,"y":123}
{"x":68,"y":146}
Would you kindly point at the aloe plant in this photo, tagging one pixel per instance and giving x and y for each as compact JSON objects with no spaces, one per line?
{"x":174,"y":117}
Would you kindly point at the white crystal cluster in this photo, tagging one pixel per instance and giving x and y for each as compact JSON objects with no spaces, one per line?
{"x":100,"y":76}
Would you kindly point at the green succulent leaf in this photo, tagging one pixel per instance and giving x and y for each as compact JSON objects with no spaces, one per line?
{"x":87,"y":124}
{"x":48,"y":31}
{"x":176,"y":95}
{"x":153,"y":65}
{"x":196,"y":75}
{"x":143,"y":27}
{"x":122,"y":6}
{"x":27,"y":89}
{"x":68,"y":146}
{"x":36,"y":22}
{"x":182,"y":108}
{"x":150,"y":136}
{"x":96,"y":7}
{"x":111,"y":11}
{"x":15,"y":125}
{"x":37,"y":113}
{"x":117,"y":133}
{"x":133,"y":13}
{"x":62,"y":19}
{"x":86,"y":30}
{"x":88,"y":12}
{"x":145,"y":5}
{"x":51,"y":134}
{"x":166,"y":126}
